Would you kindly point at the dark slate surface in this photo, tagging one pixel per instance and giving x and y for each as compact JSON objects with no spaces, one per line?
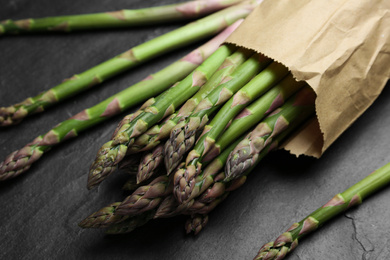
{"x":40,"y":210}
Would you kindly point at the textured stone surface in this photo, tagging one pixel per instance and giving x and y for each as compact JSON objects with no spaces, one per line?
{"x":40,"y":209}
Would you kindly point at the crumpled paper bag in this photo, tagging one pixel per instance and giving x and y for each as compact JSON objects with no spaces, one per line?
{"x":340,"y":48}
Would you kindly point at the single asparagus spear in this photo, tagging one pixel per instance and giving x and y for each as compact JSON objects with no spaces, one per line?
{"x":196,"y":223}
{"x":184,"y":177}
{"x":143,"y":199}
{"x":354,"y":195}
{"x":21,"y":160}
{"x":157,"y":133}
{"x":165,"y":104}
{"x":130,"y":224}
{"x":185,"y":35}
{"x":168,"y":208}
{"x":103,"y":217}
{"x":150,"y":163}
{"x":182,"y":136}
{"x":146,"y":197}
{"x":297,"y":108}
{"x":122,"y":18}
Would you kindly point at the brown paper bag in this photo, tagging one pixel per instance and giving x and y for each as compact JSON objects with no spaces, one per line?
{"x":341,"y":48}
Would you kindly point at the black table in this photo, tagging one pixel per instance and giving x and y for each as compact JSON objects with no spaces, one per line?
{"x":40,"y":210}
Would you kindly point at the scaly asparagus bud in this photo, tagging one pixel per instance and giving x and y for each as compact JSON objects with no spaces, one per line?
{"x":146,"y":197}
{"x":103,"y":217}
{"x":150,"y":163}
{"x":196,"y":223}
{"x":130,"y":224}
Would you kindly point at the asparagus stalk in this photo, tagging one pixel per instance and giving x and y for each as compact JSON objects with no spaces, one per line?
{"x":146,"y":197}
{"x":354,"y":195}
{"x":157,"y":133}
{"x":196,"y":223}
{"x":168,"y":208}
{"x":297,"y":108}
{"x":165,"y":104}
{"x":122,"y":18}
{"x":103,"y":217}
{"x":185,"y":35}
{"x":182,"y":136}
{"x":130,"y":224}
{"x":150,"y":164}
{"x":21,"y":160}
{"x":184,"y":177}
{"x":143,"y":199}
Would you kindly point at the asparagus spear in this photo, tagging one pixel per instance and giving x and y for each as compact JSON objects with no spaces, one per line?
{"x":354,"y":195}
{"x":146,"y":197}
{"x":184,"y":177}
{"x":196,"y":223}
{"x":131,"y":223}
{"x":150,"y":163}
{"x":185,"y":35}
{"x":299,"y":107}
{"x":103,"y":217}
{"x":21,"y":160}
{"x":143,"y":199}
{"x":157,"y":133}
{"x":182,"y":136}
{"x":167,"y":208}
{"x":112,"y":152}
{"x":122,"y":18}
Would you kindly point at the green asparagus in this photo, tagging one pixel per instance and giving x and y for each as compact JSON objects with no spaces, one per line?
{"x":122,"y":18}
{"x":182,"y":136}
{"x":150,"y":163}
{"x":185,"y":35}
{"x":21,"y":160}
{"x":160,"y":132}
{"x":354,"y":195}
{"x":264,"y":105}
{"x":112,"y":152}
{"x":299,"y":107}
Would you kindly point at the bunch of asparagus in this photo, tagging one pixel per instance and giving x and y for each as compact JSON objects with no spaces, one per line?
{"x":235,"y":108}
{"x":228,"y":18}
